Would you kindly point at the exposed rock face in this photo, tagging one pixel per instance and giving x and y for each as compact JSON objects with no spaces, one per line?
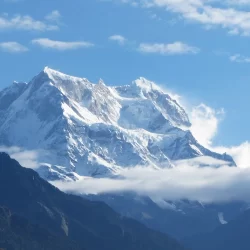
{"x":93,"y":129}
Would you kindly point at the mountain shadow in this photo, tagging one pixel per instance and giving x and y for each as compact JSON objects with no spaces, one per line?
{"x":90,"y":224}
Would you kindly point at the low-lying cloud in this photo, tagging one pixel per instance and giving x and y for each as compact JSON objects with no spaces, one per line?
{"x":186,"y":181}
{"x":27,"y":158}
{"x":240,"y":154}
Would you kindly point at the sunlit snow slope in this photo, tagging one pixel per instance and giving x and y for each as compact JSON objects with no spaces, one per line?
{"x":93,"y":129}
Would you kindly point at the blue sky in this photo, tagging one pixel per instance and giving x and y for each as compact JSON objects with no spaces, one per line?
{"x":196,"y":48}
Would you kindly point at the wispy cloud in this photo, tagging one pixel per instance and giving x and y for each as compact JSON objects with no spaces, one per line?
{"x":61,"y":45}
{"x":13,"y":47}
{"x":207,"y":13}
{"x":20,"y":22}
{"x":54,"y":16}
{"x":118,"y":38}
{"x":168,"y":49}
{"x":237,"y":58}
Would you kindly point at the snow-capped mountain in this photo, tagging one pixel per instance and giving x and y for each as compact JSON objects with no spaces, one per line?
{"x":96,"y":130}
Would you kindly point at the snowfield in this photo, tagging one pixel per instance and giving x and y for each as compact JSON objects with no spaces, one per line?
{"x":87,"y":129}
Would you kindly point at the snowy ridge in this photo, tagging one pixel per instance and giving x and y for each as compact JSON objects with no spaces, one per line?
{"x":93,"y":129}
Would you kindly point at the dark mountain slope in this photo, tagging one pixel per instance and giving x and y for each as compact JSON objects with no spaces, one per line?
{"x":16,"y":233}
{"x":197,"y":218}
{"x":232,"y":236}
{"x":92,"y":225}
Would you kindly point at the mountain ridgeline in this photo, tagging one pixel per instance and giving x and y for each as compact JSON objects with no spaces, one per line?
{"x":94,"y":129}
{"x":82,"y":128}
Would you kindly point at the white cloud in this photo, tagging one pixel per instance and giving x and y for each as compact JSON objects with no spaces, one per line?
{"x":183,"y":182}
{"x":20,"y":22}
{"x":237,"y":58}
{"x":241,"y":154}
{"x":61,"y":45}
{"x":26,"y":158}
{"x":54,"y":16}
{"x":205,"y":122}
{"x":205,"y":12}
{"x":118,"y":38}
{"x":133,"y":3}
{"x":168,"y":49}
{"x":201,"y":161}
{"x":13,"y":47}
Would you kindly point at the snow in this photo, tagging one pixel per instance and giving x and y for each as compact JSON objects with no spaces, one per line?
{"x":221,"y":218}
{"x":93,"y":129}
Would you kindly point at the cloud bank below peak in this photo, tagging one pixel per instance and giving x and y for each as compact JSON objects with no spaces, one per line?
{"x":207,"y":185}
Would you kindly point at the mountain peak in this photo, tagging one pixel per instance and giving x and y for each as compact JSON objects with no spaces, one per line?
{"x":46,"y":68}
{"x":96,"y":129}
{"x":55,"y":75}
{"x":146,"y":84}
{"x":101,"y":82}
{"x":51,"y":73}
